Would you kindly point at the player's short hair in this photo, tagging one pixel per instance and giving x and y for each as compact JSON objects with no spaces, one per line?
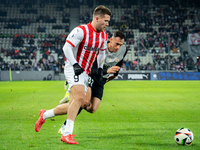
{"x":118,"y":34}
{"x":102,"y":10}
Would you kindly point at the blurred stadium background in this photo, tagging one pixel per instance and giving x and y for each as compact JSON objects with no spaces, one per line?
{"x":162,"y":37}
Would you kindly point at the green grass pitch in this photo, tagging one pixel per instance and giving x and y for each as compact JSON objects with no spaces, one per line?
{"x":141,"y":115}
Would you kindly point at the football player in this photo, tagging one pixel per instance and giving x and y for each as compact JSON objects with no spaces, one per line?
{"x":115,"y":54}
{"x":83,"y":46}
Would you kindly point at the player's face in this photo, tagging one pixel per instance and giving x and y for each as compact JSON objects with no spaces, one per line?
{"x":102,"y":22}
{"x":115,"y":44}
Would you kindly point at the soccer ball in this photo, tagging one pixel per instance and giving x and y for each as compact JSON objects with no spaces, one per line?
{"x":184,"y":136}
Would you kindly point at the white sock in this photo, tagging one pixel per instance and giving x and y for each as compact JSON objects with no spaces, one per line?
{"x":69,"y":127}
{"x":48,"y":114}
{"x":63,"y":126}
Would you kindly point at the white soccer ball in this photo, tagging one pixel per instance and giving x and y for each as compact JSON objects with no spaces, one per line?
{"x":184,"y":136}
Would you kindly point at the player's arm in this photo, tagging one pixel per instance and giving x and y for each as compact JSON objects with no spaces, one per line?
{"x":114,"y":70}
{"x":121,"y":61}
{"x":100,"y":62}
{"x":100,"y":58}
{"x":97,"y":69}
{"x":73,"y":39}
{"x":110,"y":78}
{"x":102,"y":53}
{"x":118,"y":65}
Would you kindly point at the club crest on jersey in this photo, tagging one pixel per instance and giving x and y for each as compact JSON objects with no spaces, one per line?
{"x":117,"y":59}
{"x":112,"y":60}
{"x":91,"y":48}
{"x":108,"y":60}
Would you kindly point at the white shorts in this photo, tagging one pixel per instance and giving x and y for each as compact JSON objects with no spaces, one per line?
{"x":72,"y":79}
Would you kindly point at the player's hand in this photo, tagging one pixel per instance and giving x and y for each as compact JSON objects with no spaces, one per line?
{"x":77,"y":69}
{"x":113,"y":69}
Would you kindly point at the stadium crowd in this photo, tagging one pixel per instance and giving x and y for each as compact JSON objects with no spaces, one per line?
{"x":163,"y":29}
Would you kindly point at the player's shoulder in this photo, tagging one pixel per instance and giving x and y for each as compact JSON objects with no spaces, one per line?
{"x":122,"y":49}
{"x":79,"y":28}
{"x":82,"y":26}
{"x":85,"y":27}
{"x":76,"y":32}
{"x":121,"y":53}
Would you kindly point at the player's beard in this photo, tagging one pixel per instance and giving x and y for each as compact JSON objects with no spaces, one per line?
{"x":101,"y":28}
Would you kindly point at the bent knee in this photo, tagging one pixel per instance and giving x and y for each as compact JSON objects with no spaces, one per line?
{"x":92,"y":111}
{"x":80,"y":99}
{"x":85,"y":103}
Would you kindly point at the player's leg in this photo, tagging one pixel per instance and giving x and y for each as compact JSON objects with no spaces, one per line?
{"x":97,"y":93}
{"x":84,"y":104}
{"x":62,"y":128}
{"x":93,"y":105}
{"x":78,"y":89}
{"x":61,"y":109}
{"x":45,"y":114}
{"x":78,"y":92}
{"x":86,"y":101}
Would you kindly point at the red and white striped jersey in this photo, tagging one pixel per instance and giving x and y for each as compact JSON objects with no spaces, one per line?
{"x":86,"y":44}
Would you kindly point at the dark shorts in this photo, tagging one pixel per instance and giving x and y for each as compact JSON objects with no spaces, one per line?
{"x":97,"y":90}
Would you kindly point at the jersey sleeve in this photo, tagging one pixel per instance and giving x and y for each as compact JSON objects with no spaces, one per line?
{"x":104,"y":47}
{"x":100,"y":59}
{"x":105,"y":44}
{"x":102,"y":55}
{"x":121,"y":61}
{"x":73,"y":39}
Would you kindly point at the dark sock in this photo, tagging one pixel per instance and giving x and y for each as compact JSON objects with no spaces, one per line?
{"x":65,"y":122}
{"x":79,"y":111}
